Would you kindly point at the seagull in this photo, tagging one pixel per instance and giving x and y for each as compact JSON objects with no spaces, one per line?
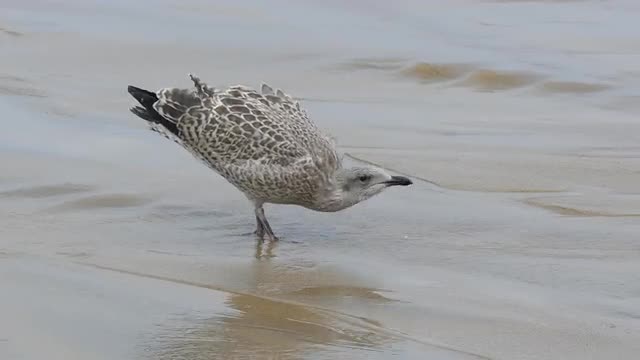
{"x":264,"y":144}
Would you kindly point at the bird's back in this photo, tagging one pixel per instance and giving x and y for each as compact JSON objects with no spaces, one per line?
{"x":262,"y":142}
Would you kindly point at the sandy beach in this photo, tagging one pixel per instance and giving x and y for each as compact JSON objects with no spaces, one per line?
{"x":517,"y":121}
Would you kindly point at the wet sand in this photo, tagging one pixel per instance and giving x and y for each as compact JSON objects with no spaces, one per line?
{"x":519,"y":239}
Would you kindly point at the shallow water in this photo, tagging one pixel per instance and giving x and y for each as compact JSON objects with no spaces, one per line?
{"x":519,"y":240}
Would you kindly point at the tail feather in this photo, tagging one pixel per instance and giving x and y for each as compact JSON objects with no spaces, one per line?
{"x":147,"y":99}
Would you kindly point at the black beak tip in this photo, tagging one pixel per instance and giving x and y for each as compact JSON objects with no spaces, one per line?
{"x":400,"y":180}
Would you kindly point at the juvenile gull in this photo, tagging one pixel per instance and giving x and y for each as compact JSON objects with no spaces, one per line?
{"x":264,"y":144}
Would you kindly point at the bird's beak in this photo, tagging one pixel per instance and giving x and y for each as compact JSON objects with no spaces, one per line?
{"x":398,"y":180}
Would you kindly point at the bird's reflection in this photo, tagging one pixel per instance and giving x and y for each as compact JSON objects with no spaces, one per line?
{"x":264,"y":249}
{"x":260,"y":328}
{"x":259,"y":324}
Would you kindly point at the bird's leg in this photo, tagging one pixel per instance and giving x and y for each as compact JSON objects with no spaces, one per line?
{"x":259,"y":227}
{"x":262,"y":221}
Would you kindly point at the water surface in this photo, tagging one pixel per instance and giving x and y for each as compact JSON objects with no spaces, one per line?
{"x":519,"y":240}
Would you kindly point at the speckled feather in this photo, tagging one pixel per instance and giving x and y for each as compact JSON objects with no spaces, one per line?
{"x":262,"y":142}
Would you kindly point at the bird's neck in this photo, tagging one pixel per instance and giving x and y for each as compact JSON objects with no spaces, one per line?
{"x":334,"y":199}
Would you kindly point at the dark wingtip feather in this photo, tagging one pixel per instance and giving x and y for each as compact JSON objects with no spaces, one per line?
{"x":146,"y":111}
{"x":142,"y":113}
{"x":131,"y":89}
{"x":145,"y":98}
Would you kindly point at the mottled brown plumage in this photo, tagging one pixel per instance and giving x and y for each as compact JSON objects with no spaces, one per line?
{"x":262,"y":142}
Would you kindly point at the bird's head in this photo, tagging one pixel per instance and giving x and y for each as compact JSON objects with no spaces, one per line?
{"x":353,"y":185}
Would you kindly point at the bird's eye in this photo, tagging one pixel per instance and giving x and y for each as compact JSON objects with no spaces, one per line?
{"x":364,"y":178}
